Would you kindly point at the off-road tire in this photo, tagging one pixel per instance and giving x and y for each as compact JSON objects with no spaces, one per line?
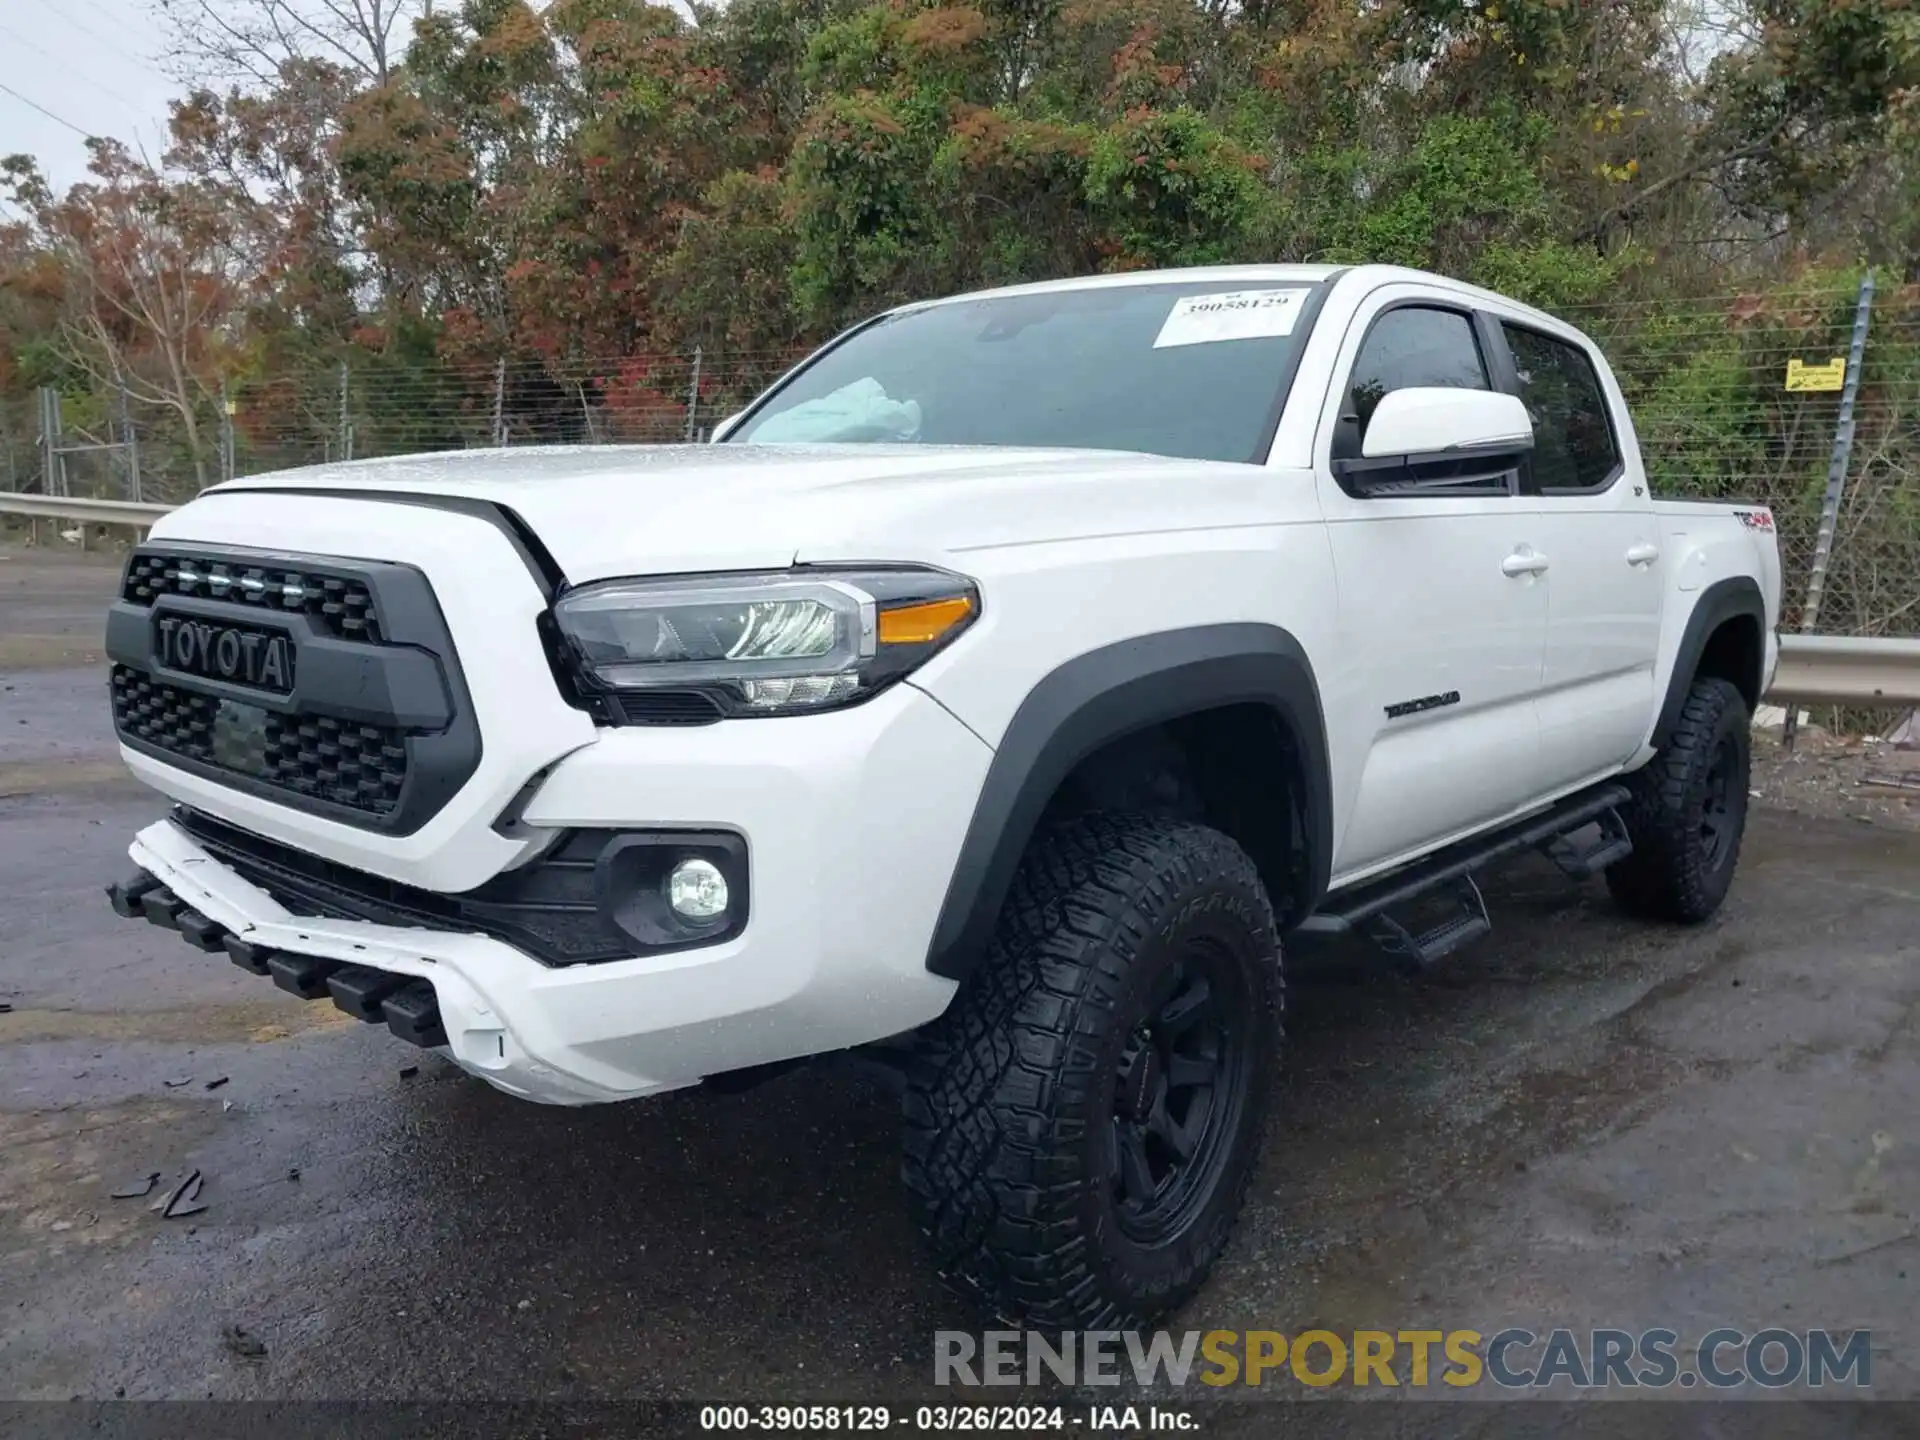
{"x":1674,"y":873}
{"x":1013,"y":1164}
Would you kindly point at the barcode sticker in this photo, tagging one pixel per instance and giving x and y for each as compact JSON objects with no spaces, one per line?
{"x":1234,"y":315}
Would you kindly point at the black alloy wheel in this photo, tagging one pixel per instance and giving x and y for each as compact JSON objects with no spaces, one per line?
{"x":1719,"y":815}
{"x":1184,"y":1072}
{"x":1083,"y":1121}
{"x":1688,"y":813}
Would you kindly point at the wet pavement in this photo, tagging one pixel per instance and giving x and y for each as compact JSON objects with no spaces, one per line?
{"x":1580,"y":1122}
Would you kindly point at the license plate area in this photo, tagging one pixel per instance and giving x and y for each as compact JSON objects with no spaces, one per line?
{"x":240,"y":738}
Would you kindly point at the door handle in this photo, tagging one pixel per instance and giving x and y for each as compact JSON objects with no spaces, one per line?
{"x":1642,"y":554}
{"x":1523,"y":561}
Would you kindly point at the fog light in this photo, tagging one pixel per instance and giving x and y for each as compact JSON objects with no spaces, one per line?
{"x":697,"y":890}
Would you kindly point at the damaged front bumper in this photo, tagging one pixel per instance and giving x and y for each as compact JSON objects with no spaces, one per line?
{"x":409,"y":1007}
{"x":420,"y":983}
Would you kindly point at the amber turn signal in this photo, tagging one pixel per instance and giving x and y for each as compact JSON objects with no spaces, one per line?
{"x":925,"y":622}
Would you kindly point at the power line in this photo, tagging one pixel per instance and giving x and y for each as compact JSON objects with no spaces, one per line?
{"x":72,"y":18}
{"x":69,"y":66}
{"x":36,"y":105}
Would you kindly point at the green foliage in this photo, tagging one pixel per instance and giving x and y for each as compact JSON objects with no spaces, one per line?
{"x":726,"y":284}
{"x":1826,"y":97}
{"x":1467,"y":182}
{"x":1169,"y":188}
{"x":863,"y":222}
{"x":40,"y":360}
{"x":851,"y":54}
{"x":590,"y":176}
{"x":1012,"y":189}
{"x":1551,"y":273}
{"x":580,"y":186}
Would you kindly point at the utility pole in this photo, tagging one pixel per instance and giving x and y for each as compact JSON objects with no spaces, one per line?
{"x":53,"y":471}
{"x":1836,"y":480}
{"x":132,"y":441}
{"x":500,"y":403}
{"x":346,"y":422}
{"x":693,"y":398}
{"x":226,"y":434}
{"x":6,"y":443}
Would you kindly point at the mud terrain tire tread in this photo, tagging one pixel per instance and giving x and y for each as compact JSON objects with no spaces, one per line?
{"x":1001,"y":1087}
{"x":1667,"y":877}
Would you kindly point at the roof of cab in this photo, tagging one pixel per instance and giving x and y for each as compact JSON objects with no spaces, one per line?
{"x":1222,"y":274}
{"x":1366,"y":277}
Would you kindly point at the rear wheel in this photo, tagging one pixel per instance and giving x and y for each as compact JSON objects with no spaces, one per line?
{"x":1689,"y":811}
{"x":1083,"y":1121}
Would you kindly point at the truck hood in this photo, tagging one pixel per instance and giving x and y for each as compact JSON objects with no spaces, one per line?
{"x":608,"y":510}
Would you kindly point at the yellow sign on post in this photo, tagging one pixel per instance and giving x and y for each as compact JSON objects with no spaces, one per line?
{"x":1831,"y":376}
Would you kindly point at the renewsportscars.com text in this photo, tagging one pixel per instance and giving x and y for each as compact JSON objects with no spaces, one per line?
{"x":1721,"y":1359}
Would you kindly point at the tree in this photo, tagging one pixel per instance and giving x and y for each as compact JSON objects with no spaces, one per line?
{"x":156,"y":278}
{"x":422,"y":191}
{"x":1819,"y":120}
{"x":252,"y":41}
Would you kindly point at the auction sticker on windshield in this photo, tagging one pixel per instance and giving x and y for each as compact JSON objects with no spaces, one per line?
{"x":1234,"y":315}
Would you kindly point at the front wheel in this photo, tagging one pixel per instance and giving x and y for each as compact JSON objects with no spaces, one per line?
{"x":1083,"y":1121}
{"x":1689,"y":811}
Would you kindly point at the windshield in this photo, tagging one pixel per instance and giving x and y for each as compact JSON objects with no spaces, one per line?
{"x":1192,"y":370}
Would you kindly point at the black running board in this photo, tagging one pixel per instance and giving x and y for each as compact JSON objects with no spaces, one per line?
{"x":1362,"y":908}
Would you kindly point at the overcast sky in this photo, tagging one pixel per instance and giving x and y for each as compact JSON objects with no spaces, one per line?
{"x":93,"y":66}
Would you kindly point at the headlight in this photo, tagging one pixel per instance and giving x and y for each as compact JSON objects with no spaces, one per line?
{"x":762,"y":644}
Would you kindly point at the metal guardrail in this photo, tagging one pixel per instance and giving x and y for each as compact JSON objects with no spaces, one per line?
{"x":87,"y":512}
{"x":1818,"y":669}
{"x":1846,"y":670}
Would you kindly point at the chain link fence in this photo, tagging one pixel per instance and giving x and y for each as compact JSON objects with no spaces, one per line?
{"x":1707,"y":381}
{"x":1708,"y":385}
{"x":83,"y":444}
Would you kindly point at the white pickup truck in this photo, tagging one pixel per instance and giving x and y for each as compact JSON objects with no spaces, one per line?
{"x":999,"y":694}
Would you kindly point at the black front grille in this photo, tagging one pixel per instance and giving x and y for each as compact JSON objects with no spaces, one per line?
{"x":342,"y":604}
{"x":366,"y":721}
{"x":163,"y":715}
{"x":363,"y":767}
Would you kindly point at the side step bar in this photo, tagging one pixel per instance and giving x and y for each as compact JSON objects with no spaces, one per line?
{"x":1468,"y":923}
{"x":1363,"y":908}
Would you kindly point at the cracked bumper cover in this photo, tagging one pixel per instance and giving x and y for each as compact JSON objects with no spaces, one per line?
{"x":833,"y":954}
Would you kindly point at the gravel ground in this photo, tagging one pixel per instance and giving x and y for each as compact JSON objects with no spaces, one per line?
{"x":1579,"y":1122}
{"x":1839,"y":777}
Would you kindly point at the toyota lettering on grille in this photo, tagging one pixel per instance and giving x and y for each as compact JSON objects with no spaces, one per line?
{"x":239,"y":654}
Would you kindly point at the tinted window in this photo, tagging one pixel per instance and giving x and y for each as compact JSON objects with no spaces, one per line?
{"x":1192,"y":370}
{"x":1413,"y":347}
{"x":1573,"y":445}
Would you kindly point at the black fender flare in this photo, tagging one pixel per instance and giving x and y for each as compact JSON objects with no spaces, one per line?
{"x":1724,"y":600}
{"x":1100,"y":697}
